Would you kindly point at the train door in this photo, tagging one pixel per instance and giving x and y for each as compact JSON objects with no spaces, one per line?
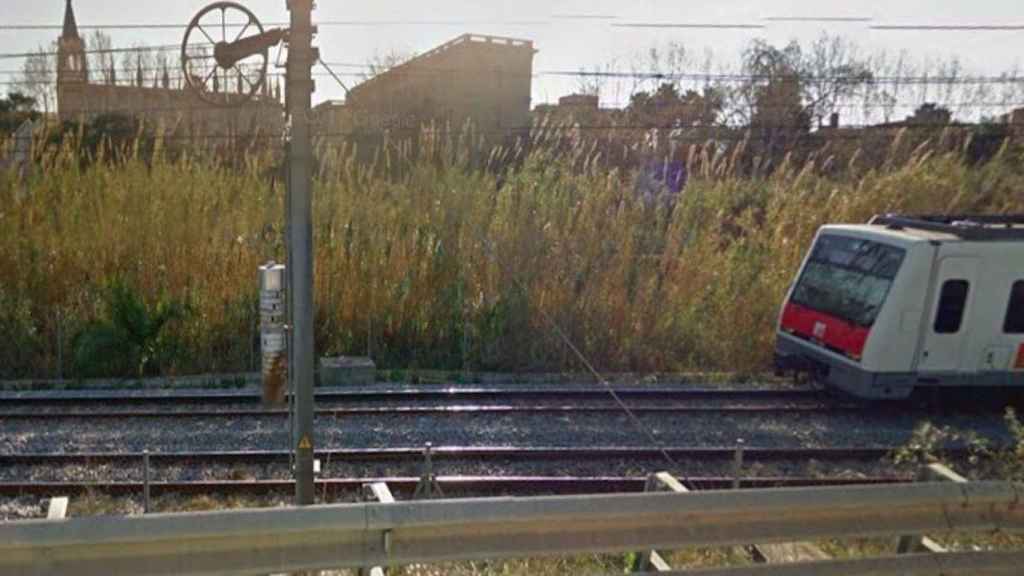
{"x":947,"y":333}
{"x":1013,"y":331}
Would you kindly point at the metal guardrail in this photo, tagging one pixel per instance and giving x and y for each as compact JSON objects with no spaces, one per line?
{"x":376,"y":534}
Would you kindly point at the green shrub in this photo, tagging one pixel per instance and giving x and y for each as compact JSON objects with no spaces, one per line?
{"x":131,"y":340}
{"x":985,"y":459}
{"x":21,"y":340}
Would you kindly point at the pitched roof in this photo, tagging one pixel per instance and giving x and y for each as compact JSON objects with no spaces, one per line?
{"x":70,"y":25}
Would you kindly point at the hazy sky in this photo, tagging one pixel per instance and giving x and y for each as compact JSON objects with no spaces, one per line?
{"x":563,"y":44}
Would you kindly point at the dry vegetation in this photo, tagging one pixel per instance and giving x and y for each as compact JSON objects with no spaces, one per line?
{"x":445,"y":263}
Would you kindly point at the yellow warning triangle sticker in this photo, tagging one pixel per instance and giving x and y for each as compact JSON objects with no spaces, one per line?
{"x":305,"y":444}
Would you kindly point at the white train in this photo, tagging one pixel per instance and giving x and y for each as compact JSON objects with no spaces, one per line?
{"x":906,"y":302}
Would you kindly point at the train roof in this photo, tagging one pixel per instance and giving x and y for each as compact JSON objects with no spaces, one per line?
{"x":947,"y":227}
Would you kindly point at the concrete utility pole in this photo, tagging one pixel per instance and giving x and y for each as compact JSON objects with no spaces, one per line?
{"x":301,"y":58}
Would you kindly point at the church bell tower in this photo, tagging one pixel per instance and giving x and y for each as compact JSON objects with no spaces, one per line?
{"x":72,"y":66}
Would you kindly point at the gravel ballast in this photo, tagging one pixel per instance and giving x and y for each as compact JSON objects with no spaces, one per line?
{"x":860,"y":429}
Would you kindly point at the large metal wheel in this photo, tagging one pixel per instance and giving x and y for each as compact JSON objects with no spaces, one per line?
{"x":215,"y":27}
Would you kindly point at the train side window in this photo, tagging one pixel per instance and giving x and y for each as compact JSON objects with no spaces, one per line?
{"x":952,"y":302}
{"x":1014,"y":323}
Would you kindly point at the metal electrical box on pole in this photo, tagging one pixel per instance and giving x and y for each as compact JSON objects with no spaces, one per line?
{"x":273,"y":338}
{"x":301,"y":58}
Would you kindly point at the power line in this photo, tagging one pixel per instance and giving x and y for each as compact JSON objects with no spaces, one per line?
{"x":156,"y":48}
{"x":28,"y":27}
{"x":948,"y":28}
{"x":716,"y":78}
{"x":550,"y":21}
{"x":584,"y":17}
{"x":837,"y":19}
{"x":823,"y":19}
{"x":690,"y":26}
{"x":1005,"y":78}
{"x":322,"y":23}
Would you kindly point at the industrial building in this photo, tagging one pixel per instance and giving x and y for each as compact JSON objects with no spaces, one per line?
{"x":482,"y":80}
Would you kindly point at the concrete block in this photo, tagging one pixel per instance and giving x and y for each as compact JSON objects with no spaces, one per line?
{"x":347,"y":371}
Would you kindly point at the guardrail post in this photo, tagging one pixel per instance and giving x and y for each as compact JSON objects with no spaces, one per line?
{"x":145,"y":481}
{"x":909,"y":544}
{"x":651,"y":560}
{"x":428,"y":487}
{"x":737,"y":465}
{"x":57,"y":509}
{"x":776,"y":553}
{"x":380,"y":492}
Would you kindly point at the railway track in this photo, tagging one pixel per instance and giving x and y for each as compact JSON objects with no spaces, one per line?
{"x":458,"y":485}
{"x":408,"y":395}
{"x":425,"y":410}
{"x":340,"y":403}
{"x":458,"y":453}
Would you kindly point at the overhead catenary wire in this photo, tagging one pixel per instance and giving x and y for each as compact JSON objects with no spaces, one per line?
{"x":819,"y":19}
{"x":321,"y":23}
{"x":584,"y":17}
{"x":948,"y":27}
{"x":559,"y":19}
{"x":690,"y":25}
{"x":634,"y":419}
{"x":333,"y":75}
{"x":717,"y":78}
{"x":156,"y":48}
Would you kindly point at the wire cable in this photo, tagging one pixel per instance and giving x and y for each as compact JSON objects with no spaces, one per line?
{"x":947,"y":28}
{"x":690,"y":25}
{"x":637,"y":423}
{"x":335,"y":76}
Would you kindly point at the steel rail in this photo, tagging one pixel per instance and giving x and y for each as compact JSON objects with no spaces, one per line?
{"x":430,"y":410}
{"x":518,"y":485}
{"x":135,"y":397}
{"x":501,"y":453}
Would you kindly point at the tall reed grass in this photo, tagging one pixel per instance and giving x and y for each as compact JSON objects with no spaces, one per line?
{"x":443,"y":264}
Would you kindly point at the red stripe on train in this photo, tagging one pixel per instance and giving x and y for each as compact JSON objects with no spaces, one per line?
{"x":1020,"y":358}
{"x":828,"y":330}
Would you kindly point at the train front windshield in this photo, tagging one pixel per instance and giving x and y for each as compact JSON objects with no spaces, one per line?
{"x":840,"y":293}
{"x":848,"y":278}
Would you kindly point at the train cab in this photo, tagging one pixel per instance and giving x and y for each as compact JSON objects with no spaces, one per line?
{"x":904,"y":302}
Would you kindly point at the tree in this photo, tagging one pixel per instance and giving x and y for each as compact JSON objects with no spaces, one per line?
{"x":792,"y":87}
{"x":832,"y":73}
{"x":164,"y":67}
{"x":101,"y":57}
{"x":380,"y":63}
{"x":666,"y":107}
{"x":139,"y":61}
{"x":16,"y":109}
{"x":39,"y":78}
